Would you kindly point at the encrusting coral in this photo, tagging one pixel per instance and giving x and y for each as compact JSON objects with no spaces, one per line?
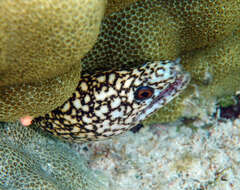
{"x":44,"y":39}
{"x":117,"y":5}
{"x":34,"y":99}
{"x":216,"y":69}
{"x":31,"y":159}
{"x":203,"y":22}
{"x":146,"y":30}
{"x":152,"y":30}
{"x":141,"y":32}
{"x":41,"y":45}
{"x":215,"y":73}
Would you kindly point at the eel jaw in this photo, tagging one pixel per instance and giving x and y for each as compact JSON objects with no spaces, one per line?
{"x":166,"y":95}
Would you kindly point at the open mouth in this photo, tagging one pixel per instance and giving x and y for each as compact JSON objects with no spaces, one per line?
{"x":165,"y":96}
{"x":173,"y":89}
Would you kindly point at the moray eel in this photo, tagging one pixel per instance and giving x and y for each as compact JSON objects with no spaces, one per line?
{"x":112,"y":102}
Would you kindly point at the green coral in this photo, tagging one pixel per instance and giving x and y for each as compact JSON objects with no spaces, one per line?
{"x":41,"y":45}
{"x":141,"y":32}
{"x":205,"y":34}
{"x":30,"y":159}
{"x":52,"y":42}
{"x":216,"y":69}
{"x":203,"y":22}
{"x":117,"y":5}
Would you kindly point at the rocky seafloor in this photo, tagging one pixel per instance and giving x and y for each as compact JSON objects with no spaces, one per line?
{"x":198,"y":154}
{"x":200,"y":151}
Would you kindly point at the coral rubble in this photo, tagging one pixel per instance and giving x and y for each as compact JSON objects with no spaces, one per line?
{"x":175,"y":156}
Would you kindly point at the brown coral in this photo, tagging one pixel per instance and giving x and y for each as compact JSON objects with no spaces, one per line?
{"x":142,"y":32}
{"x":154,"y":30}
{"x":216,"y":69}
{"x":41,"y":40}
{"x":150,"y":30}
{"x":203,"y":22}
{"x":33,"y":99}
{"x":117,"y":5}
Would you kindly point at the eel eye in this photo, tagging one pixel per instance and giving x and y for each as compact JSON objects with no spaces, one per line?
{"x":143,"y":93}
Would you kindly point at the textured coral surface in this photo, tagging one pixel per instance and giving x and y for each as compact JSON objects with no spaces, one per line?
{"x":33,"y":160}
{"x":140,"y":31}
{"x":34,"y":99}
{"x":216,"y":69}
{"x":41,"y":45}
{"x":43,"y":39}
{"x":153,"y":30}
{"x":117,"y":5}
{"x":203,"y":22}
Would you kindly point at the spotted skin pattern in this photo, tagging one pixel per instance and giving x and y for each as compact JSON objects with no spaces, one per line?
{"x":105,"y":104}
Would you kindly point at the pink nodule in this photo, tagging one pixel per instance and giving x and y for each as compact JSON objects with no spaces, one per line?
{"x":26,"y":120}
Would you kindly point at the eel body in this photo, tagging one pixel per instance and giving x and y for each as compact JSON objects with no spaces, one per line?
{"x":109,"y":103}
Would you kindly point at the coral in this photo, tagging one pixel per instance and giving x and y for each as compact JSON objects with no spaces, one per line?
{"x":142,"y":32}
{"x":34,"y":99}
{"x":31,"y":159}
{"x":203,"y":22}
{"x":216,"y":69}
{"x":117,"y":5}
{"x":148,"y":30}
{"x":39,"y":42}
{"x":43,"y":39}
{"x":137,"y":32}
{"x":201,"y":32}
